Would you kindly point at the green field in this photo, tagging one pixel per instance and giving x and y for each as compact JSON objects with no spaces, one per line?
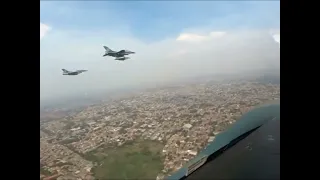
{"x":135,"y":160}
{"x":45,"y":172}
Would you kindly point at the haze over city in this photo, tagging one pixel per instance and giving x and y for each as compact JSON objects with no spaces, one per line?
{"x":198,"y":68}
{"x":172,"y":41}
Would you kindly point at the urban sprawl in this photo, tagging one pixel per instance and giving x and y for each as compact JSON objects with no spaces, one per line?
{"x":184,"y":119}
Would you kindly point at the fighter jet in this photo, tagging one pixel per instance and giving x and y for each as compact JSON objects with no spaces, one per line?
{"x":70,"y":73}
{"x":116,"y":54}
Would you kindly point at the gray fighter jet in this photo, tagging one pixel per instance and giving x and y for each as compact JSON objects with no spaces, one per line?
{"x":72,"y":73}
{"x":116,"y":54}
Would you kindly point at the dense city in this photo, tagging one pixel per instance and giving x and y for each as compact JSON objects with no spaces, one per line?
{"x":169,"y":125}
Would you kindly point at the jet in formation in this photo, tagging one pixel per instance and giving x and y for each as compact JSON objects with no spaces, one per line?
{"x":119,"y":55}
{"x":72,"y":73}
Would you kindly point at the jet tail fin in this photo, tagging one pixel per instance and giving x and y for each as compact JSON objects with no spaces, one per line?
{"x":65,"y":71}
{"x":107,"y":49}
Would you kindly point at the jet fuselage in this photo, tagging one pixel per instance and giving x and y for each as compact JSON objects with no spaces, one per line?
{"x":71,"y":73}
{"x":119,"y":53}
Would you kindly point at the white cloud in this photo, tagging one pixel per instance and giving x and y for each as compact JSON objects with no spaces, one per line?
{"x":275,"y":33}
{"x":43,"y":30}
{"x":276,"y":37}
{"x":191,"y":37}
{"x":186,"y":56}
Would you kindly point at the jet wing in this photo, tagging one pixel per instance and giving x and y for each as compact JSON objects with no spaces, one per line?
{"x":255,"y":157}
{"x":253,"y":141}
{"x":65,"y":71}
{"x":80,"y":71}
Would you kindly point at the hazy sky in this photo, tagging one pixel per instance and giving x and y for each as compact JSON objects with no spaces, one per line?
{"x":172,"y":40}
